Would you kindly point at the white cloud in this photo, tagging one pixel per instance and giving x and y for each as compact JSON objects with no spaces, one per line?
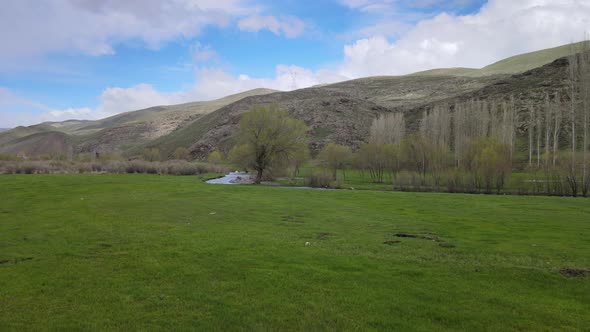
{"x":215,"y":83}
{"x":9,"y":99}
{"x":290,"y":26}
{"x":501,"y":29}
{"x":117,"y":100}
{"x":202,"y":53}
{"x":38,"y":27}
{"x":367,"y":5}
{"x":69,"y":113}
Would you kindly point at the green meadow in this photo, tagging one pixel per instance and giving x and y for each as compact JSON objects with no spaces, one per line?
{"x":149,"y":252}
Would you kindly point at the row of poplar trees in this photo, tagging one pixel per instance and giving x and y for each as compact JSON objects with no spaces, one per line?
{"x":475,"y":145}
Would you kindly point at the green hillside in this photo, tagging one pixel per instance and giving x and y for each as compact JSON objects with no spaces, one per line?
{"x":528,"y":61}
{"x":121,"y":131}
{"x":513,"y":65}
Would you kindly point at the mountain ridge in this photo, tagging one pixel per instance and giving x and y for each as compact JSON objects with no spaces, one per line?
{"x":339,"y":112}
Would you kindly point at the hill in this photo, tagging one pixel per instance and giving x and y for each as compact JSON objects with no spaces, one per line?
{"x":44,"y":143}
{"x":340,"y":112}
{"x":343,"y":112}
{"x":512,"y":65}
{"x":121,"y":131}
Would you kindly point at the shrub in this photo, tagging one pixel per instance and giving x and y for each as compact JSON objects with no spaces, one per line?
{"x":113,"y":166}
{"x":319,"y":179}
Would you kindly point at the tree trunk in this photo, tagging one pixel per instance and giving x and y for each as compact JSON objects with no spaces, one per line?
{"x":258,"y":178}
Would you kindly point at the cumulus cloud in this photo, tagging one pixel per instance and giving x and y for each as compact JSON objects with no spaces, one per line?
{"x":39,"y":27}
{"x":10,"y":99}
{"x":202,"y":53}
{"x":70,"y":113}
{"x":289,"y":26}
{"x":16,"y":111}
{"x":501,"y":29}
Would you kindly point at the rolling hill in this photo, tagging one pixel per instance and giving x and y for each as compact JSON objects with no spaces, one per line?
{"x":340,"y":112}
{"x":116,"y":133}
{"x":512,"y":65}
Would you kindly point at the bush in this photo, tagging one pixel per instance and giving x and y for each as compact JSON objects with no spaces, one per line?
{"x":112,"y":166}
{"x":320,"y":179}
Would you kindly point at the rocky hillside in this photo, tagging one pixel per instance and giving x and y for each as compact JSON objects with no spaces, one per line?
{"x":343,"y":112}
{"x":340,"y":112}
{"x":113,"y":134}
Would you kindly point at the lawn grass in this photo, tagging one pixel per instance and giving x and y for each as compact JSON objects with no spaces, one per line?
{"x":148,"y":252}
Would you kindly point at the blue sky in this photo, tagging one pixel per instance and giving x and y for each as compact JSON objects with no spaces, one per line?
{"x":88,"y":59}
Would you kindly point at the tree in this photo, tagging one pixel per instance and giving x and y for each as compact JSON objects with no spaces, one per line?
{"x":388,"y":129}
{"x":572,"y":177}
{"x":416,"y":153}
{"x":181,"y":153}
{"x":298,"y":159}
{"x":271,"y":138}
{"x":490,"y":163}
{"x":215,"y":157}
{"x":335,"y":157}
{"x":151,"y":154}
{"x":242,"y":156}
{"x":373,"y":158}
{"x":556,"y":128}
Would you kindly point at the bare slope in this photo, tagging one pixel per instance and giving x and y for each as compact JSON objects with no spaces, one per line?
{"x":340,"y":112}
{"x":343,"y":112}
{"x":122,"y":131}
{"x":45,"y":143}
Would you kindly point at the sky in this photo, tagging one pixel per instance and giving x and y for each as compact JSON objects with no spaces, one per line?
{"x":89,"y":59}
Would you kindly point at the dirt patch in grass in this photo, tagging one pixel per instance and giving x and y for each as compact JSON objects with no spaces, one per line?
{"x":416,"y":236}
{"x":323,"y":235}
{"x":391,"y":242}
{"x":289,"y":218}
{"x":430,"y":237}
{"x":16,"y":260}
{"x":572,"y":272}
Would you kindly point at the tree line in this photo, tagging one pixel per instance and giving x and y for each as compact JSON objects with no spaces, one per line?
{"x":468,"y":146}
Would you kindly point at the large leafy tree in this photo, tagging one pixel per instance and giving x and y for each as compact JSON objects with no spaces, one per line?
{"x":269,"y":138}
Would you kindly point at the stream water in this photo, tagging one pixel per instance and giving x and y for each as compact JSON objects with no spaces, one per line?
{"x":234,"y":178}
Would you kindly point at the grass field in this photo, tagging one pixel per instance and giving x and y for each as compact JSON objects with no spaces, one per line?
{"x":146,"y":252}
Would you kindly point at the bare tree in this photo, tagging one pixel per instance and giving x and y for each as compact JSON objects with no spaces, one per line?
{"x":531,"y":132}
{"x":538,"y":131}
{"x":573,"y":75}
{"x":435,"y":125}
{"x":548,"y":122}
{"x":585,"y":96}
{"x":388,"y":129}
{"x":556,"y":111}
